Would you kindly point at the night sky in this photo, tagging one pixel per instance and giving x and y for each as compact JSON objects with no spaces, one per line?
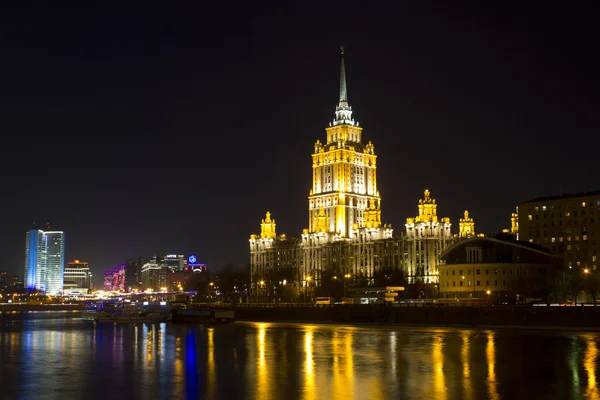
{"x":141,"y":130}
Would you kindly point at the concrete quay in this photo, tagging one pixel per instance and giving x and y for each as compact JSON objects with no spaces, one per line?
{"x":26,"y":307}
{"x":569,"y":318}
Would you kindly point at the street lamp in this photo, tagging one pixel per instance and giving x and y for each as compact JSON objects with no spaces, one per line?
{"x":347,"y":276}
{"x":586,"y":271}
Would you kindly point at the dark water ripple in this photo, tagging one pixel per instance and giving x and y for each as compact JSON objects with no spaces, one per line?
{"x":60,"y":356}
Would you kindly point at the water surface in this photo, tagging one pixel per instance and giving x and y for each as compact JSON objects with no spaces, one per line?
{"x":58,"y":355}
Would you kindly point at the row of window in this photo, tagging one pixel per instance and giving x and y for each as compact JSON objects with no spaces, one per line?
{"x":478,"y":283}
{"x":537,"y":217}
{"x":487,"y":271}
{"x":551,"y":207}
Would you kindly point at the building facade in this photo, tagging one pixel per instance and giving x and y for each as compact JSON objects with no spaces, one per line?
{"x":44,"y":261}
{"x":427,"y":236}
{"x":346,"y":243}
{"x":114,"y":279}
{"x":501,"y":268}
{"x":155,"y":275}
{"x":568,"y":225}
{"x":77,"y":276}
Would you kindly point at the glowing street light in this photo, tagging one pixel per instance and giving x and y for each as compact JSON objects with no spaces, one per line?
{"x":586,"y":271}
{"x":163,"y":289}
{"x":347,"y":276}
{"x":488,"y":292}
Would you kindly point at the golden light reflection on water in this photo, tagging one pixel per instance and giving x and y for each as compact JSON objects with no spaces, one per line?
{"x":393,"y":353}
{"x":464,"y":357}
{"x":15,"y":340}
{"x":178,"y":388}
{"x":439,"y":380}
{"x":589,"y":363}
{"x":210,"y":367}
{"x":490,"y":354}
{"x":343,"y":367}
{"x":262,"y":384}
{"x":310,"y":389}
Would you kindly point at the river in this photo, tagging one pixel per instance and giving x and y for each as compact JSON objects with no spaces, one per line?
{"x":58,"y":355}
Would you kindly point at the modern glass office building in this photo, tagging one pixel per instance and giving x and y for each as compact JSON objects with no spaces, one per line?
{"x":44,"y":260}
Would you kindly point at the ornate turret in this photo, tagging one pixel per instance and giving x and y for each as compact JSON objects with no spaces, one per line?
{"x":267,"y":227}
{"x":427,"y":209}
{"x":321,"y":222}
{"x":466,"y":226}
{"x":372,"y":215}
{"x":514,"y":223}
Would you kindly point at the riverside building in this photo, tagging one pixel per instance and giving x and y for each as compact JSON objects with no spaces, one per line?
{"x":346,"y":243}
{"x":567,"y":224}
{"x":77,"y":277}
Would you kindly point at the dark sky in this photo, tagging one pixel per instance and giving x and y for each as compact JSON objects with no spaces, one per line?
{"x":141,"y":130}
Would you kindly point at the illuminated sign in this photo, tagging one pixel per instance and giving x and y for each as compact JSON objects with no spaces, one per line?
{"x":171,"y":256}
{"x":192,"y":259}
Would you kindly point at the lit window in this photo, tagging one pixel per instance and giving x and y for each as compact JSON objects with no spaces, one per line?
{"x":530,"y":240}
{"x":560,"y":239}
{"x":568,"y":247}
{"x":530,"y":217}
{"x":569,"y":239}
{"x":537,"y":209}
{"x":543,"y":208}
{"x":584,"y":237}
{"x":553,"y":240}
{"x":593,"y":258}
{"x":577,"y":238}
{"x":583,"y":204}
{"x":567,"y":214}
{"x":578,"y":263}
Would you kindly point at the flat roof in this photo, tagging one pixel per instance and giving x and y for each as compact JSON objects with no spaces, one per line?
{"x":563,"y":196}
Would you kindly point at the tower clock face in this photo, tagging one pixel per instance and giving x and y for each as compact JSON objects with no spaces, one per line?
{"x":192,"y":259}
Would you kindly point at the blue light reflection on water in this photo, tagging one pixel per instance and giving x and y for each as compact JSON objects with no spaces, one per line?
{"x":66,"y":356}
{"x":191,"y":365}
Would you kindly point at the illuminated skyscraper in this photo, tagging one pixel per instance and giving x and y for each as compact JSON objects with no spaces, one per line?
{"x":344,"y":195}
{"x":346,"y":244}
{"x":44,"y":260}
